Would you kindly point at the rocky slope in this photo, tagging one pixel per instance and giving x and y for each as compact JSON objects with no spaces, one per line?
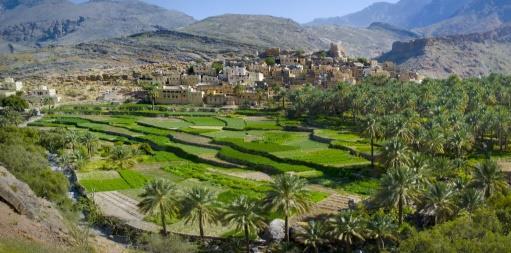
{"x":367,"y":42}
{"x":150,"y":47}
{"x":432,"y":17}
{"x":465,"y":55}
{"x":263,"y":31}
{"x":25,"y":216}
{"x":40,"y":22}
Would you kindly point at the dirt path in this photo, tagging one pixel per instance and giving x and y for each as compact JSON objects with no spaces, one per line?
{"x":331,"y":205}
{"x":252,"y":175}
{"x":115,"y":204}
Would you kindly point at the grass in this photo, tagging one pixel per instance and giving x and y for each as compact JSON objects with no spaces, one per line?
{"x":19,"y":245}
{"x":261,"y":123}
{"x":204,"y":121}
{"x":103,"y":181}
{"x":262,"y":163}
{"x":233,"y":122}
{"x":166,"y":123}
{"x":326,"y":157}
{"x":256,"y":145}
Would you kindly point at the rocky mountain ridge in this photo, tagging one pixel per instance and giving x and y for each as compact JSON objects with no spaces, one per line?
{"x":465,"y":55}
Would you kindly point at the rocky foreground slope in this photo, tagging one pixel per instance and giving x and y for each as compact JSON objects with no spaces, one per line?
{"x":25,"y":216}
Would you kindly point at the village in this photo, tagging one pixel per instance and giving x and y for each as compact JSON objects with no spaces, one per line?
{"x":248,"y":81}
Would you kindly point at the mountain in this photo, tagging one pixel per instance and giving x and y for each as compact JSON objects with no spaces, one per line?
{"x":397,"y":14}
{"x":465,"y":55}
{"x":40,"y":22}
{"x":263,"y":31}
{"x":475,"y":16}
{"x":149,"y":47}
{"x":431,"y":17}
{"x":367,"y":42}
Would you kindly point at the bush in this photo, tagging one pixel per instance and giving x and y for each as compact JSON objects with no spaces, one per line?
{"x":158,"y":244}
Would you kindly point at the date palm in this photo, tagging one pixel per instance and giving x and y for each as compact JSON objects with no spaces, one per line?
{"x":488,"y":177}
{"x":152,"y":92}
{"x":398,"y":189}
{"x":374,"y":132}
{"x":470,"y":199}
{"x":347,"y":228}
{"x":72,"y":137}
{"x":381,"y":228}
{"x":199,"y":207}
{"x":158,"y":198}
{"x":288,"y":195}
{"x":245,"y":214}
{"x":438,"y":201}
{"x":395,"y":154}
{"x":89,"y":141}
{"x":314,"y":235}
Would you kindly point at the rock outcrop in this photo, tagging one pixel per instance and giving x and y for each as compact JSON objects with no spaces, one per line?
{"x":24,"y":215}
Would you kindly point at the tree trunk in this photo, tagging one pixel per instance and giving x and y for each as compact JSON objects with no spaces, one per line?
{"x":162,"y":212}
{"x":400,"y":211}
{"x":372,"y":151}
{"x":316,"y":249}
{"x":201,"y":226}
{"x":286,"y":229}
{"x":247,"y":237}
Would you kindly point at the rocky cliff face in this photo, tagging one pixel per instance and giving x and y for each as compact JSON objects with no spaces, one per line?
{"x":24,"y":215}
{"x":465,"y":55}
{"x":40,"y":22}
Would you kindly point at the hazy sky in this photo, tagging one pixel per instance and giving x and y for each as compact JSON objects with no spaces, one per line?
{"x":299,"y":10}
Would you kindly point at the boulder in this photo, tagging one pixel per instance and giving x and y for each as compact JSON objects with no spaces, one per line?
{"x":275,"y":231}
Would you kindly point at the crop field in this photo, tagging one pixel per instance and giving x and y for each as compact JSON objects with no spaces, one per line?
{"x":231,"y":155}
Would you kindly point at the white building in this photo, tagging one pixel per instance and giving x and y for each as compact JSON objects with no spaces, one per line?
{"x":39,"y":95}
{"x":9,"y":87}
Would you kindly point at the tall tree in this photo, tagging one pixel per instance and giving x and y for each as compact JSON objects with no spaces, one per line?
{"x":199,"y":206}
{"x":395,"y":154}
{"x":381,"y":228}
{"x":245,"y":214}
{"x":374,"y":131}
{"x":158,"y":197}
{"x":397,"y":189}
{"x":89,"y":141}
{"x":488,"y":177}
{"x":288,"y":195}
{"x":152,"y":92}
{"x":437,"y":201}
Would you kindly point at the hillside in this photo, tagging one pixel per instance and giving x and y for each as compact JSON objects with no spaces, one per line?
{"x":397,"y":14}
{"x":431,"y":17}
{"x":263,"y":31}
{"x":150,"y":47}
{"x":465,"y":55}
{"x":39,"y":22}
{"x":367,"y":42}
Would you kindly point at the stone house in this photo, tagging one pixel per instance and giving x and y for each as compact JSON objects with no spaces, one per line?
{"x":180,"y":95}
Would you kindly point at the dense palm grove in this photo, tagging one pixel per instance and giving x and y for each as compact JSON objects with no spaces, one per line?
{"x":438,"y":139}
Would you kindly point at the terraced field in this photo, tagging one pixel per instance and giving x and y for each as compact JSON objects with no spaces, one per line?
{"x":231,"y":155}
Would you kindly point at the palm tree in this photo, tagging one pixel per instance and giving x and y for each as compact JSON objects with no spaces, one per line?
{"x":374,"y":131}
{"x":395,"y":154}
{"x":438,"y":202}
{"x":244,"y":213}
{"x":152,"y":92}
{"x":488,"y":177}
{"x":381,"y":228}
{"x":288,"y":195}
{"x":314,"y":235}
{"x":159,"y":198}
{"x":89,"y":140}
{"x":72,"y":138}
{"x":347,"y":227}
{"x":49,"y":102}
{"x":199,"y":206}
{"x":397,"y":189}
{"x":470,"y":199}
